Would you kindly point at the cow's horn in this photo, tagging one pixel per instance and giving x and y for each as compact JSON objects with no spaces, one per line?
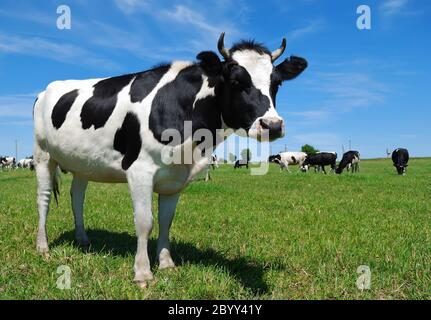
{"x":223,"y":51}
{"x":277,"y":53}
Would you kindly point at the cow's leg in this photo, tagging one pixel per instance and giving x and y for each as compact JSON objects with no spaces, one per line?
{"x":45,"y":173}
{"x":77,"y":194}
{"x":141,"y":189}
{"x":323,"y":169}
{"x":167,"y":205}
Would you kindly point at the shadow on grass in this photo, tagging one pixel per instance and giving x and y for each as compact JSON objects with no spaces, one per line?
{"x":248,"y":272}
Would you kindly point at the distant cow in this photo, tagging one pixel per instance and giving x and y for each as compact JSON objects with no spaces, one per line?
{"x":286,"y":158}
{"x":240,"y":163}
{"x":400,"y":158}
{"x":26,"y":163}
{"x":350,"y":160}
{"x":319,"y":161}
{"x":8,"y":162}
{"x":214,"y":162}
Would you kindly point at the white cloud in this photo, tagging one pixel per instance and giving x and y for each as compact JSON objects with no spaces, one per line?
{"x":132,"y":6}
{"x":63,"y":52}
{"x":350,"y":90}
{"x":391,"y":7}
{"x":309,"y":28}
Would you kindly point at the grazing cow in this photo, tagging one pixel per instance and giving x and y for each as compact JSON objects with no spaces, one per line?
{"x":8,"y":162}
{"x":240,"y":163}
{"x":349,"y":161}
{"x":284,"y":159}
{"x":400,"y":158}
{"x":319,"y":161}
{"x":114,"y":130}
{"x":25,"y":163}
{"x":214,"y":162}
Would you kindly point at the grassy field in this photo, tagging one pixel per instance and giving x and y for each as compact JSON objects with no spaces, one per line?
{"x":278,"y":236}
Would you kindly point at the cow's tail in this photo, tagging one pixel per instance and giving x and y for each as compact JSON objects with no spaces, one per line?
{"x":56,"y":182}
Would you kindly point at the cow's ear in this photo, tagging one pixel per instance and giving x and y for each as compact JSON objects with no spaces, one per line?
{"x":210,"y":63}
{"x":291,"y":68}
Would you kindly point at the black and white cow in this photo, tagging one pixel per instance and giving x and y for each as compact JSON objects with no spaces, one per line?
{"x":117,"y":130}
{"x":26,"y":163}
{"x":214,"y":162}
{"x":284,"y":159}
{"x":319,"y":161}
{"x":400,"y":158}
{"x":349,"y":161}
{"x":8,"y":162}
{"x":240,"y":163}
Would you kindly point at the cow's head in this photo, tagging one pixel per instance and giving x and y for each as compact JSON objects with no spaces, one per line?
{"x":401,"y":168}
{"x":274,"y":158}
{"x":250,"y":84}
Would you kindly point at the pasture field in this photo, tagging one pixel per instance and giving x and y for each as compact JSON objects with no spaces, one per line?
{"x":277,"y":236}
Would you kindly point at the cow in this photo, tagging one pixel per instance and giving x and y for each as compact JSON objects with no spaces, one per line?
{"x":25,"y":163}
{"x":319,"y":161}
{"x":284,"y":159}
{"x":214,"y":162}
{"x":8,"y":162}
{"x":240,"y":163}
{"x":400,"y":158}
{"x":349,"y":161}
{"x":119,"y":130}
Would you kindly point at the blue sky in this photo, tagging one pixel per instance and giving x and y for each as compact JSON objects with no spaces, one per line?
{"x":368,"y":86}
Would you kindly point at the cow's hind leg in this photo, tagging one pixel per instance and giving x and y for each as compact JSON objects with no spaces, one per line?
{"x":167,"y":205}
{"x":46,"y":173}
{"x":77,"y":194}
{"x":141,"y":189}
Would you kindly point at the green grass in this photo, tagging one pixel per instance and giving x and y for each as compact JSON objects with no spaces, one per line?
{"x":278,"y":236}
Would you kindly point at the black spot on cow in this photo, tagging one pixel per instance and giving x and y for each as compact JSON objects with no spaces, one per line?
{"x":145,"y":82}
{"x":97,"y":110}
{"x":128,"y":141}
{"x":173,"y":103}
{"x":62,"y":107}
{"x":207,"y":114}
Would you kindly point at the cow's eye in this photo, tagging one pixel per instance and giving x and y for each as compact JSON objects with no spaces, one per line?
{"x":240,"y":78}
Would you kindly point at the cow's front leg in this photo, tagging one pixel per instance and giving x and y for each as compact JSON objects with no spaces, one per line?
{"x":167,"y":205}
{"x":77,"y":194}
{"x":141,"y":189}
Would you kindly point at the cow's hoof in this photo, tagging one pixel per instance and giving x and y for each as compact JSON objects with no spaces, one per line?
{"x":143,"y":279}
{"x":42,"y":249}
{"x":84,"y":244}
{"x":144,"y":276}
{"x":166,"y":263}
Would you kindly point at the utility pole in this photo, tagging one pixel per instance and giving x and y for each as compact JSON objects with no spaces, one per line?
{"x":350,"y":144}
{"x":285,"y":147}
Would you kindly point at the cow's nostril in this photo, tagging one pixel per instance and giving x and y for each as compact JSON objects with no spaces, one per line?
{"x":264,"y":123}
{"x":274,"y":126}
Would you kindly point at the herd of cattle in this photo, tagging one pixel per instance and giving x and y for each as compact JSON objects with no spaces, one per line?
{"x":350,"y":161}
{"x":9,"y":163}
